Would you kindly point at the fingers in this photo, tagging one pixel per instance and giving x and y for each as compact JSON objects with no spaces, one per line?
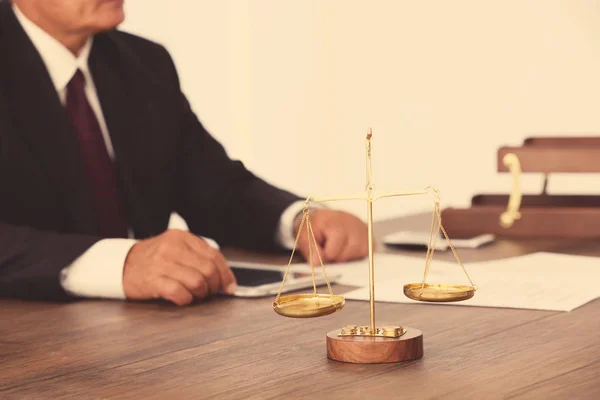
{"x":183,"y":257}
{"x":228,"y":281}
{"x":319,"y":236}
{"x":343,"y":236}
{"x":303,"y":249}
{"x":192,"y":279}
{"x":172,"y":290}
{"x":306,"y":243}
{"x":213,"y":265}
{"x":335,"y":244}
{"x":354,"y":248}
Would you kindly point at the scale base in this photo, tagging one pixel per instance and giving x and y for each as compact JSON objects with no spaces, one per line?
{"x":375,"y":349}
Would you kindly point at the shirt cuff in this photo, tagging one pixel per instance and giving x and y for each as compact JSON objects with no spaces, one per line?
{"x":286,"y":235}
{"x":99,"y":271}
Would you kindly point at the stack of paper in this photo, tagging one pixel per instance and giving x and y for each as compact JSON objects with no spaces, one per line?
{"x":540,"y":281}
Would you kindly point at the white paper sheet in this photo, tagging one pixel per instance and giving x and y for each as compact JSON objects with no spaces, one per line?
{"x":540,"y":281}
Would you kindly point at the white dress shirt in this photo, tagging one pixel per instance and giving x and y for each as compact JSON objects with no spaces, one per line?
{"x":99,"y":271}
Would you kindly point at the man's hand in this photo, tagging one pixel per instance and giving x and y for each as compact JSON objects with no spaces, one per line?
{"x":341,"y":236}
{"x":177,"y":266}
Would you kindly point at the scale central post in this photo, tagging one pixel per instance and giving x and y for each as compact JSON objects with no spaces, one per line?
{"x":369,"y":190}
{"x":370,"y":198}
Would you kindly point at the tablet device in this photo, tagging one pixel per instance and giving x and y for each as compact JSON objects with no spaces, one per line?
{"x":420,"y":240}
{"x":259,"y":280}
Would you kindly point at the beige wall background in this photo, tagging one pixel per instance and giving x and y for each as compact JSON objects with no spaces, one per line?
{"x":291,"y":87}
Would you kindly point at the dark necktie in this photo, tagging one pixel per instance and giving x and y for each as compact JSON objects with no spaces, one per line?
{"x":99,"y":168}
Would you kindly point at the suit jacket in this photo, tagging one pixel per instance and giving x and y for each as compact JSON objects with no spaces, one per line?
{"x":167,"y":162}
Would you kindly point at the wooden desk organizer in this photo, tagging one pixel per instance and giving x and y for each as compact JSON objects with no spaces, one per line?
{"x":535,"y":216}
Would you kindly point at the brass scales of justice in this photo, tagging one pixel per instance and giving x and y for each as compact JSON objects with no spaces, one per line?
{"x":371,"y":344}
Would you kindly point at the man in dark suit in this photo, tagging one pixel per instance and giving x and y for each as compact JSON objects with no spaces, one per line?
{"x":98,"y":146}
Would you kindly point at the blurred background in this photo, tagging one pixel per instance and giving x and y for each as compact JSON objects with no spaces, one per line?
{"x":291,"y":88}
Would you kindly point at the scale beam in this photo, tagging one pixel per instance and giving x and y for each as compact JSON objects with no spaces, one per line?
{"x":365,"y":196}
{"x":398,"y":194}
{"x":313,"y":199}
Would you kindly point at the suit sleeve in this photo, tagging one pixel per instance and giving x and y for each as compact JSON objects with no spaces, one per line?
{"x":219,"y":197}
{"x":31,"y":261}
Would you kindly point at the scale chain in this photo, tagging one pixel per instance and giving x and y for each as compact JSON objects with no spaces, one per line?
{"x":452,"y":247}
{"x":310,"y":235}
{"x":321,"y":261}
{"x":433,"y":237}
{"x":310,"y":256}
{"x":291,"y":256}
{"x":430,"y":249}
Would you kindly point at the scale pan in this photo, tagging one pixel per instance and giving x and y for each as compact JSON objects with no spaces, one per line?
{"x":308,"y":305}
{"x":438,"y":293}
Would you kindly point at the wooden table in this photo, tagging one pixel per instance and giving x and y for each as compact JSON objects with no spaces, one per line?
{"x":226,"y":348}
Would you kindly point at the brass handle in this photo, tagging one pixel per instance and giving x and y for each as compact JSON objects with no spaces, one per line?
{"x":508,"y":217}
